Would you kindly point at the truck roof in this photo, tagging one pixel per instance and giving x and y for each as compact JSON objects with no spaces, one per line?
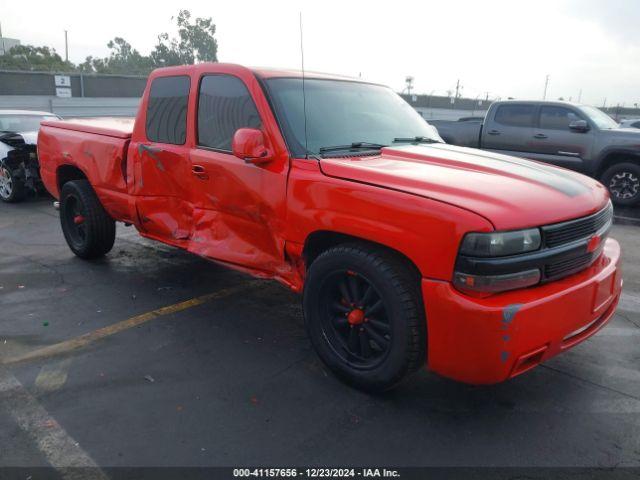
{"x":262,"y":72}
{"x":541,"y":102}
{"x":266,"y":72}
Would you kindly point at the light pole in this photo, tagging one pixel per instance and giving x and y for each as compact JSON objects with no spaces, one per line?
{"x":66,"y":47}
{"x":546,"y":84}
{"x":4,"y":50}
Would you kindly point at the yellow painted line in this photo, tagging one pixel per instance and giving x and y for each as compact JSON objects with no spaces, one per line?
{"x":52,"y":376}
{"x":91,"y":337}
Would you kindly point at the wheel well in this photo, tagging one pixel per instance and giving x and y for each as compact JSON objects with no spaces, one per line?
{"x":616,"y":157}
{"x":320,"y":241}
{"x":66,"y":173}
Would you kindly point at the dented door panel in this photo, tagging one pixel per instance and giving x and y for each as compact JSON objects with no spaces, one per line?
{"x":238,"y":211}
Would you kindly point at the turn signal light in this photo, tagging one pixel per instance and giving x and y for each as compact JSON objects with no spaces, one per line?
{"x":495,"y":283}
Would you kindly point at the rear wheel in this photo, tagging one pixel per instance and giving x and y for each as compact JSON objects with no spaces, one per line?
{"x":623,"y":182}
{"x":12,"y":189}
{"x":88,"y":229}
{"x":365,"y":316}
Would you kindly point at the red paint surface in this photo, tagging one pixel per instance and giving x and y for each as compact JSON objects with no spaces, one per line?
{"x":419,"y":201}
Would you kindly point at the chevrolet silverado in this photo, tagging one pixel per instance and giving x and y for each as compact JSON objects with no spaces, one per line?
{"x":407,"y":251}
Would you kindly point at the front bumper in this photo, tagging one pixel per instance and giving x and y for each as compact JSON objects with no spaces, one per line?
{"x":489,"y":340}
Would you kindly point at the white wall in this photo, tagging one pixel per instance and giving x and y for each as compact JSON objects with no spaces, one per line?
{"x":73,"y":107}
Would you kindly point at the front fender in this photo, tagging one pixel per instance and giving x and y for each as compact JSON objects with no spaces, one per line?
{"x":597,"y":169}
{"x":426,"y":231}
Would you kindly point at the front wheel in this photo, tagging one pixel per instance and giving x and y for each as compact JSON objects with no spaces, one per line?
{"x":365,"y":316}
{"x":88,"y":229}
{"x":11,"y":187}
{"x":623,"y":182}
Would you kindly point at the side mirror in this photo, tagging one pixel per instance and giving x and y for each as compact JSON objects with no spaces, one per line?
{"x":249,"y":145}
{"x":579,"y":126}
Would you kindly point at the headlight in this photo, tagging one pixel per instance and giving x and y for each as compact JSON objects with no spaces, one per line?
{"x":500,"y":244}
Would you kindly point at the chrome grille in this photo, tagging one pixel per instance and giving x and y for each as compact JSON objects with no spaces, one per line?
{"x":567,"y":232}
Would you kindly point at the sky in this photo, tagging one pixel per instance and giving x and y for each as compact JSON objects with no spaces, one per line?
{"x":589,"y":48}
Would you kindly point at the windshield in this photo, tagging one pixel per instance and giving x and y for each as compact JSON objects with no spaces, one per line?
{"x":343,"y":113}
{"x":601,"y":119}
{"x":23,"y":123}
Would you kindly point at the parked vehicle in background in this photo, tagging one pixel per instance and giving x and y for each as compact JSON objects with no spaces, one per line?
{"x":630,"y":123}
{"x":573,"y":136}
{"x":19,"y":169}
{"x":407,"y":250}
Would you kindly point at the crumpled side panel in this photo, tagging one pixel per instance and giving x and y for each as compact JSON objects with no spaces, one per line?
{"x":166,"y":217}
{"x":235,"y":240}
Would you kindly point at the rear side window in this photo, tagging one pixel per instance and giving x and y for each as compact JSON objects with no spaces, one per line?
{"x":224,"y":106}
{"x":557,"y":118}
{"x":167,"y":110}
{"x":515,"y":115}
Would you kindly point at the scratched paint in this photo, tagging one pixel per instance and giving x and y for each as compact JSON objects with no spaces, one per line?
{"x":508,"y":316}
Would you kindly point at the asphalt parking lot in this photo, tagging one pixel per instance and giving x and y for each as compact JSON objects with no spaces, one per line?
{"x":155,"y":357}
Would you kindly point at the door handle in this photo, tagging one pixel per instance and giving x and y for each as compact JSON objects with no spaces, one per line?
{"x":493,"y":132}
{"x":540,"y":136}
{"x":200,"y":172}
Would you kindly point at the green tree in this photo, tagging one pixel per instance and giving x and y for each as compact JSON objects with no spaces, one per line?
{"x":28,"y":57}
{"x":195,"y":43}
{"x":123,"y":59}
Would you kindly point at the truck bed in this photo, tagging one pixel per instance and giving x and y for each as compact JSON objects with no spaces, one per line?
{"x":109,"y":126}
{"x":96,"y":147}
{"x":463,"y":133}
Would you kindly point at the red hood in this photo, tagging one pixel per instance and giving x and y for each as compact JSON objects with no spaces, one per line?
{"x":510,"y":192}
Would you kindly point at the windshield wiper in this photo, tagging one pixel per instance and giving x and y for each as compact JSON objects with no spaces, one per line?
{"x":353,"y":146}
{"x":415,"y":140}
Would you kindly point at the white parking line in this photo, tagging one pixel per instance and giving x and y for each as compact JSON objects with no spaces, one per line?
{"x":62,"y":451}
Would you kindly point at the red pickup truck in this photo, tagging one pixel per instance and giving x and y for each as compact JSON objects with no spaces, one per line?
{"x":407,"y":251}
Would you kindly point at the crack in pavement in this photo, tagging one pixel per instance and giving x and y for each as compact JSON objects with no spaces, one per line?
{"x":590,"y":382}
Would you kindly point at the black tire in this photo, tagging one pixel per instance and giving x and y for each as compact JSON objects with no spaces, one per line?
{"x":623,"y":182}
{"x":88,"y":229}
{"x":393,"y":335}
{"x":12,"y":189}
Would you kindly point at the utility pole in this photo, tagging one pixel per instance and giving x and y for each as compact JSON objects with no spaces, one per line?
{"x":409,"y":84}
{"x":4,"y":51}
{"x":546,"y":84}
{"x":604,"y":104}
{"x":458,"y":87}
{"x":66,"y":47}
{"x":580,"y":96}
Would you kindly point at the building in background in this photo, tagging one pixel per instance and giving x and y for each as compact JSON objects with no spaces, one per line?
{"x":7,"y":44}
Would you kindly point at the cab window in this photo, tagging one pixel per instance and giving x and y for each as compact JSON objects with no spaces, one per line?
{"x":557,"y":118}
{"x":224,"y":106}
{"x":515,"y":115}
{"x":167,"y":110}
